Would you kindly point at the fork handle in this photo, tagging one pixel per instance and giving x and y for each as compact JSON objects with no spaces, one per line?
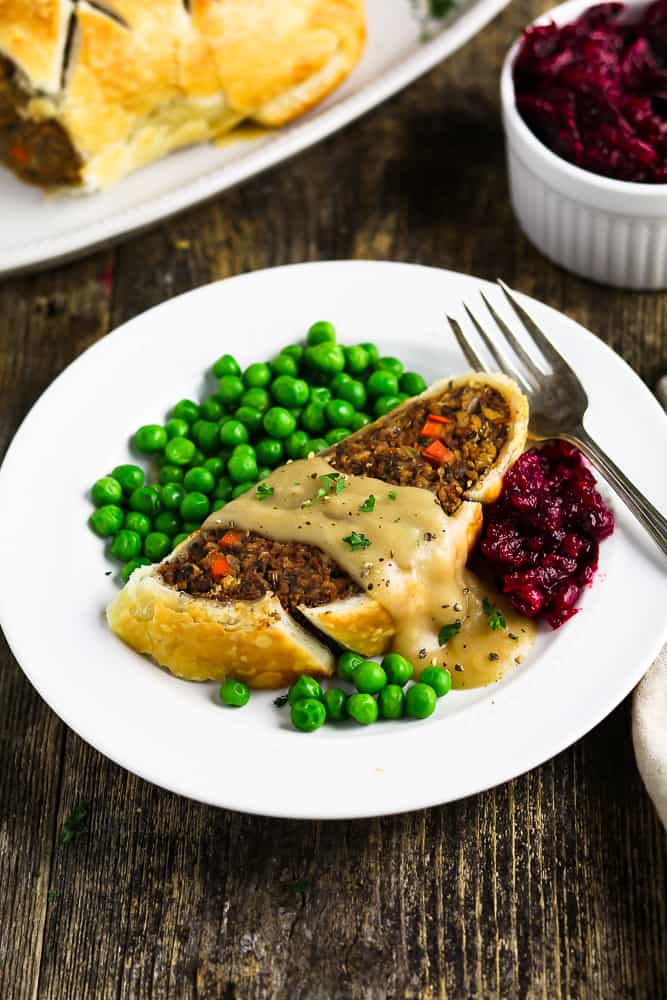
{"x":643,"y":509}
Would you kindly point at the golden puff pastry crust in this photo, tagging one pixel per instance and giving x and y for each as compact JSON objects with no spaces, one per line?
{"x":128,"y":81}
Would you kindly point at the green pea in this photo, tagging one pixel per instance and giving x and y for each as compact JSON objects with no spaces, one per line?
{"x":167,"y":523}
{"x":347,"y":663}
{"x":339,"y":380}
{"x":199,"y":479}
{"x":372,"y":352}
{"x":244,"y":449}
{"x":212,"y":409}
{"x":150,"y":438}
{"x":179,"y":451}
{"x":170,"y":474}
{"x":242,"y":468}
{"x":353,"y":392}
{"x":198,"y":458}
{"x":106,"y":490}
{"x":175,"y":427}
{"x":270,"y":451}
{"x":146,"y":499}
{"x":382,"y":383}
{"x":190,"y":526}
{"x":338,"y":413}
{"x":194,"y":507}
{"x":363,"y":708}
{"x":391,"y":702}
{"x":234,"y":693}
{"x":279,"y":422}
{"x":308,"y":715}
{"x":107,"y":520}
{"x":296,"y":412}
{"x":384,"y":404}
{"x":336,"y":435}
{"x":186,"y":410}
{"x":126,"y":545}
{"x":356,"y":359}
{"x":129,"y":567}
{"x":257,"y":376}
{"x":321,"y":332}
{"x":226,"y":365}
{"x":172,"y":496}
{"x":285,"y":364}
{"x":295,"y":442}
{"x":325,"y":357}
{"x":206,"y":433}
{"x":230,"y":389}
{"x":369,"y":677}
{"x":411,"y":383}
{"x":176,"y":541}
{"x":290,"y":391}
{"x":157,"y":545}
{"x":334,"y":703}
{"x":129,"y":477}
{"x":420,"y":701}
{"x":242,"y":488}
{"x":320,"y":394}
{"x":397,"y":668}
{"x":233,"y":432}
{"x":216,"y":466}
{"x":259,"y":399}
{"x":263,"y":472}
{"x":401,"y":397}
{"x":135,"y":521}
{"x":249,"y":417}
{"x":304,"y":687}
{"x":315,"y":446}
{"x":313,"y":418}
{"x":437,"y":678}
{"x":359,"y":420}
{"x":390,"y":364}
{"x":223,"y":489}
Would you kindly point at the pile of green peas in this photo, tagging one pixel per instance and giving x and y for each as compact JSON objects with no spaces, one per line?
{"x":309,"y":397}
{"x":379,"y":693}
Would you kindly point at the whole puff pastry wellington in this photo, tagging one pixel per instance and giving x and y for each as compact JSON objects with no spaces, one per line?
{"x":90,"y":91}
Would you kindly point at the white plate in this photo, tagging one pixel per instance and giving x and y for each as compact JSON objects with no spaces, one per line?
{"x":53,"y":589}
{"x":37,"y":229}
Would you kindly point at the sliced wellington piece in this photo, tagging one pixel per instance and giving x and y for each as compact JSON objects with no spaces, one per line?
{"x":201,"y":623}
{"x":90,"y":91}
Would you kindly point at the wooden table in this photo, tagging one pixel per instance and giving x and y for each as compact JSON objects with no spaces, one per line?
{"x":552,"y":886}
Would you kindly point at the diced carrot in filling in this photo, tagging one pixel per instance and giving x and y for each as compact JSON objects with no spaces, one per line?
{"x":437,"y":453}
{"x":219,"y":566}
{"x":231,"y":538}
{"x":19,"y":154}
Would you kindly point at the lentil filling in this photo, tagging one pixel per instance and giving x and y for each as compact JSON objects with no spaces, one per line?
{"x":472,"y":429}
{"x":39,"y":151}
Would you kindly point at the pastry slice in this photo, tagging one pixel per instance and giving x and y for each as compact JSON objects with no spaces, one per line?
{"x":266,"y":607}
{"x":91,"y":91}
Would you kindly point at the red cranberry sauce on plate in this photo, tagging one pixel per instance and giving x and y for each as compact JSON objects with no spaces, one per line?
{"x":595,"y":90}
{"x":541,"y":536}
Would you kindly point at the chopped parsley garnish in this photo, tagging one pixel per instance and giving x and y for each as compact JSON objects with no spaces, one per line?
{"x":330,"y":481}
{"x":357,"y":540}
{"x":392,"y":494}
{"x":368,"y":505}
{"x":76,"y":823}
{"x":280,"y":700}
{"x":494,"y":615}
{"x":263,"y":491}
{"x":448,"y":632}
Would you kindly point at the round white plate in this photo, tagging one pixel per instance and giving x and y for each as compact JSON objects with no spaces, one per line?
{"x":54,"y":589}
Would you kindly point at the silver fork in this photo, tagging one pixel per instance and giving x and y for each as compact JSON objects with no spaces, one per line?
{"x":558,"y":401}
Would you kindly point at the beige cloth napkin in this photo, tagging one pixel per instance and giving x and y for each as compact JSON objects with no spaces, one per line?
{"x":649,"y":732}
{"x":649,"y":712}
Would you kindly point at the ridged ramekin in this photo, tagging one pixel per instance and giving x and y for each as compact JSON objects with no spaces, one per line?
{"x":614,"y":232}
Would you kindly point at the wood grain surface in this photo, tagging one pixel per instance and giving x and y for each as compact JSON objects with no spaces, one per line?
{"x":553,"y":886}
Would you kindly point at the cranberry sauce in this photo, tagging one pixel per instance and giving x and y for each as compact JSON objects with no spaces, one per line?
{"x":541,"y":536}
{"x":595,"y":90}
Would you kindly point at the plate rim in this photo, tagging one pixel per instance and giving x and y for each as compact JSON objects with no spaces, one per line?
{"x":566,"y":738}
{"x":290,"y":141}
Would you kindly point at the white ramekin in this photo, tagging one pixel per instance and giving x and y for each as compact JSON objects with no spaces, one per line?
{"x":614,"y":232}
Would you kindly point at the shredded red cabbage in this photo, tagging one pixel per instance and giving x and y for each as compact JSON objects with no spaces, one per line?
{"x":595,"y":91}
